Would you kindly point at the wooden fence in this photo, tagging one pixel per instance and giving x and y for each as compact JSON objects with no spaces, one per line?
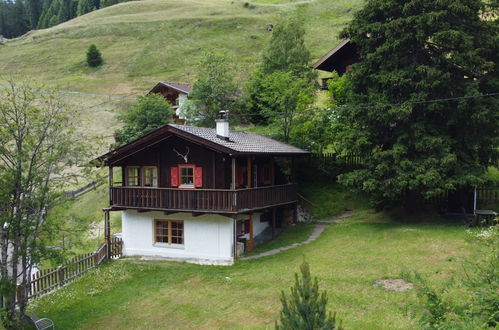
{"x":85,"y":189}
{"x":47,"y":280}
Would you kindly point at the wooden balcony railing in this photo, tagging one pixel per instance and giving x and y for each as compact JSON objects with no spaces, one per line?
{"x":202,"y":200}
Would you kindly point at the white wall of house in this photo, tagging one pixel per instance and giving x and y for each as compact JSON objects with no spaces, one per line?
{"x":208,"y":239}
{"x":258,"y":226}
{"x":181,"y":100}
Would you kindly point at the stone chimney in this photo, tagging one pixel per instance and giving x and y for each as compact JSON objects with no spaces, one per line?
{"x":223,"y":125}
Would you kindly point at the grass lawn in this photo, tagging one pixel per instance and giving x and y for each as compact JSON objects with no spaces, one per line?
{"x":347,"y":258}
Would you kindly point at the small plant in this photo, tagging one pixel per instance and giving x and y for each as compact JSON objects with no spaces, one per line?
{"x":306,"y":306}
{"x":94,"y":57}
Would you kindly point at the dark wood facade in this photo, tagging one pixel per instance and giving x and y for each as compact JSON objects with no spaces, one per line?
{"x":223,"y":183}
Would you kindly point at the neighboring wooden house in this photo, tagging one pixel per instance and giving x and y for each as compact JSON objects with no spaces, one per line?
{"x":200,"y":194}
{"x":339,"y":59}
{"x":175,"y":93}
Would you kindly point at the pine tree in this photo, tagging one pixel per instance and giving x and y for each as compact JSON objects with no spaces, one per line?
{"x":94,"y":57}
{"x":305,"y":309}
{"x":412,"y":52}
{"x":286,"y":50}
{"x":287,"y":53}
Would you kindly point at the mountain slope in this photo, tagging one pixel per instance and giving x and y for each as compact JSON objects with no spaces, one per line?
{"x":150,"y":40}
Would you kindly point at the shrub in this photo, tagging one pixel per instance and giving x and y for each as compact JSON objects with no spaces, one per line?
{"x":306,"y":307}
{"x":479,"y":288}
{"x":94,"y":57}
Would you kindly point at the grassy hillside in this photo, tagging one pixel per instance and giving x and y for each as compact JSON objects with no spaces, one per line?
{"x":150,"y":40}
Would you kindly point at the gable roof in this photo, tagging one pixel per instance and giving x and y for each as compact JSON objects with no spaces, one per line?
{"x":183,"y":88}
{"x":344,"y":52}
{"x":239,"y":143}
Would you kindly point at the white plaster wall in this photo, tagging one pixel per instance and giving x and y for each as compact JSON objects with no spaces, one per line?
{"x":181,"y":100}
{"x":258,"y":227}
{"x":207,"y":238}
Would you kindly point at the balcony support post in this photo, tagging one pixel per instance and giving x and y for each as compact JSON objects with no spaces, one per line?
{"x":110,"y":185}
{"x":249,"y":171}
{"x":251,"y":242}
{"x":233,"y":176}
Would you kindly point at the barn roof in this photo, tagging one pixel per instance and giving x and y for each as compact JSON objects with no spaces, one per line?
{"x":344,"y":53}
{"x":239,"y":143}
{"x":183,"y":88}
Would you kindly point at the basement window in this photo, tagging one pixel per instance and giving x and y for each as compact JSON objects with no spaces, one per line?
{"x":169,"y":232}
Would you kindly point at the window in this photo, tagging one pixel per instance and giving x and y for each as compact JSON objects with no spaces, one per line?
{"x":187,"y":176}
{"x":150,"y":176}
{"x":169,"y":231}
{"x":132,"y":176}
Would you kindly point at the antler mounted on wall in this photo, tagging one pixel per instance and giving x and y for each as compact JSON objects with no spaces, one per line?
{"x":183,"y":156}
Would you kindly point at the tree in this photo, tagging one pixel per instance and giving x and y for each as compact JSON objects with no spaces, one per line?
{"x":412,"y":53}
{"x":86,"y":6}
{"x":94,"y":57}
{"x":306,"y":307}
{"x":38,"y":146}
{"x":150,"y":112}
{"x":213,"y":91}
{"x":285,"y":52}
{"x":282,"y":98}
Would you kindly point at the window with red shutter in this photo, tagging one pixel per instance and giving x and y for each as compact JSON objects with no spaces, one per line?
{"x":174,"y":176}
{"x":198,"y":177}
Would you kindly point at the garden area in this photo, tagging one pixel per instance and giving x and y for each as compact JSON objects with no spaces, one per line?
{"x":348,"y":258}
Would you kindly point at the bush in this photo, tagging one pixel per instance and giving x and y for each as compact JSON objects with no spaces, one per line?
{"x":478,"y":286}
{"x":306,"y":307}
{"x":94,"y":57}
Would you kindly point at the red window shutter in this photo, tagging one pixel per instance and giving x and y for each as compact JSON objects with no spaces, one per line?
{"x":174,"y":176}
{"x":198,"y":177}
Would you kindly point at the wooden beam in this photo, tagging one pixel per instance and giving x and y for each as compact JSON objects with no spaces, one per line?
{"x":197,"y":214}
{"x":251,"y":242}
{"x":110,"y":185}
{"x":143,"y":210}
{"x":233,"y":183}
{"x":249,"y":169}
{"x":169,"y":212}
{"x":274,"y":215}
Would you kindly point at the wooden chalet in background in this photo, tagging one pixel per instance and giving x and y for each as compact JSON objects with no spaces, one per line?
{"x":339,"y":59}
{"x":201,"y":194}
{"x":175,"y":93}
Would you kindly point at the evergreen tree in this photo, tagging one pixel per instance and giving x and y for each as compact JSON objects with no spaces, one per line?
{"x":86,"y":6}
{"x":34,"y":10}
{"x":285,"y":52}
{"x":150,"y":112}
{"x":94,"y":57}
{"x":412,"y":52}
{"x":305,"y":309}
{"x":20,"y":23}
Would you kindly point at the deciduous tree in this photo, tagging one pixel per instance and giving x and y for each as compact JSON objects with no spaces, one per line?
{"x":214,"y":90}
{"x":150,"y":112}
{"x":38,"y":147}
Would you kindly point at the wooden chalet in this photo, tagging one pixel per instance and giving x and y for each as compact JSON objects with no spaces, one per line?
{"x":339,"y":59}
{"x":200,"y":193}
{"x":174,"y":92}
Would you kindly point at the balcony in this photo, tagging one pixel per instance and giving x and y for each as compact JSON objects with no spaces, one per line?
{"x":202,"y":200}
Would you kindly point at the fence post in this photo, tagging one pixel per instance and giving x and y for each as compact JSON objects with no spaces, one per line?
{"x":107,"y":230}
{"x":60,"y":275}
